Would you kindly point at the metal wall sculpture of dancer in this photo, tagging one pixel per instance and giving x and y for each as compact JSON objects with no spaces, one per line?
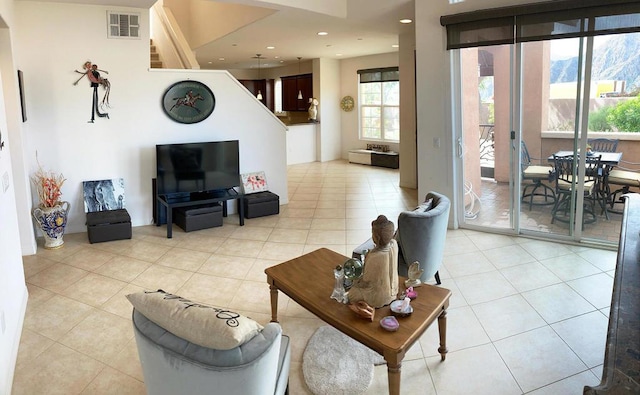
{"x":93,"y":74}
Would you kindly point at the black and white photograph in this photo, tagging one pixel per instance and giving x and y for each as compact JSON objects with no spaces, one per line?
{"x":103,"y":195}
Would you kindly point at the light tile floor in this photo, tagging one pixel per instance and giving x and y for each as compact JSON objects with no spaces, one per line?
{"x":526,"y":316}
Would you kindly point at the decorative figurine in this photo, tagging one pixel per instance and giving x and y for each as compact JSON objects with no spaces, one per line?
{"x":411,"y":294}
{"x":313,"y":109}
{"x":338,"y":288}
{"x":363,"y":310}
{"x":414,"y":274}
{"x":378,"y":285}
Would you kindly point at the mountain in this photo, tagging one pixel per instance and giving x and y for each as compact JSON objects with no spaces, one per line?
{"x":617,"y":59}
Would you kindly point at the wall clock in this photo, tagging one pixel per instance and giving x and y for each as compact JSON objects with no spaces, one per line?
{"x":188,"y":102}
{"x":347,"y":103}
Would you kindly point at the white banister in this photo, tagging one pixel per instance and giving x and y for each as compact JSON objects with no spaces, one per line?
{"x":174,"y":49}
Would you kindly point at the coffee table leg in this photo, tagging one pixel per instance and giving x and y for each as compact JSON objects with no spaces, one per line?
{"x":442,"y":328}
{"x":393,"y":375}
{"x":274,"y":302}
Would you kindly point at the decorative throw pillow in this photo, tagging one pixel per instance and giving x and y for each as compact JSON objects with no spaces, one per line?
{"x":200,"y":324}
{"x":254,"y":182}
{"x":424,"y":207}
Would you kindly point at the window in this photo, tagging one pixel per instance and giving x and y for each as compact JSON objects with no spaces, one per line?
{"x":380,"y":104}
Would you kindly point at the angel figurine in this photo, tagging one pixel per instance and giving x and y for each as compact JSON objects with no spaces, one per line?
{"x":414,"y":274}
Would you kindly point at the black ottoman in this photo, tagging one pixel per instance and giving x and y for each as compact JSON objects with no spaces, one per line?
{"x":108,"y":225}
{"x":198,"y":217}
{"x":261,"y":204}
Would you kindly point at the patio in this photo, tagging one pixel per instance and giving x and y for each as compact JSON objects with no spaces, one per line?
{"x":493,"y":211}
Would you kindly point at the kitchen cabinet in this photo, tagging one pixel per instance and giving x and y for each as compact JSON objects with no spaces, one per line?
{"x":291,"y":85}
{"x":266,"y":87}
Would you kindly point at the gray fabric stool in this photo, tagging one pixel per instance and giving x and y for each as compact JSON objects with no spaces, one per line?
{"x":108,"y":225}
{"x":198,"y":217}
{"x":261,"y":204}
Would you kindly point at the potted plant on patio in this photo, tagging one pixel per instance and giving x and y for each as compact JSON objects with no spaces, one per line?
{"x":51,"y":213}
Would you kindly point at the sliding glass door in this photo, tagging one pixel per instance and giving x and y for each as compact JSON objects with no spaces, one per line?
{"x":546,"y":105}
{"x":486,"y":84}
{"x":521,"y":105}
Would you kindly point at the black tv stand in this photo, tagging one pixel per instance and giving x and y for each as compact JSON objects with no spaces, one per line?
{"x":169,"y":201}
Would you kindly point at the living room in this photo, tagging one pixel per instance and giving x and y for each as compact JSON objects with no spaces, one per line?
{"x":122,"y":146}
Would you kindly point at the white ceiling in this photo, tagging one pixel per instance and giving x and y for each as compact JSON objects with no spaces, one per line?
{"x":370,"y":27}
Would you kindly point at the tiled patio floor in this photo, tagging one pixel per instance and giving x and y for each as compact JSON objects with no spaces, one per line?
{"x":494,"y":212}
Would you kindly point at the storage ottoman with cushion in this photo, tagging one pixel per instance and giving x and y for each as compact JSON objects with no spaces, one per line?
{"x":198,"y":217}
{"x":261,"y":204}
{"x":108,"y":225}
{"x":107,"y":217}
{"x":258,"y":200}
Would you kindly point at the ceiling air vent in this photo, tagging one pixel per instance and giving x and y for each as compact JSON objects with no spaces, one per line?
{"x":123,"y":25}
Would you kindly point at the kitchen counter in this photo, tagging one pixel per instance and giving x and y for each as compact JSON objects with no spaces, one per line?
{"x":301,"y":143}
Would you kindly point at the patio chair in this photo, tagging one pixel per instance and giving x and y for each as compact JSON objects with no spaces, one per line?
{"x":625,"y":177}
{"x":534,"y":175}
{"x":564,"y":178}
{"x":603,"y":145}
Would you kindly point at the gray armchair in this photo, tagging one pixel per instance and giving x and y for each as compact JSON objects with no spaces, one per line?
{"x":172,"y":365}
{"x":421,"y":236}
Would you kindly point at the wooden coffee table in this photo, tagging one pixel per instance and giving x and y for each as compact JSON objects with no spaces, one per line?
{"x":309,"y":281}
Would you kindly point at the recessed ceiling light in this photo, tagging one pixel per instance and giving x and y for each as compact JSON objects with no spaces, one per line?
{"x":210,"y":62}
{"x":406,"y":20}
{"x":271,"y":47}
{"x":276,"y":57}
{"x":221,"y":59}
{"x":338,"y":54}
{"x":395,"y":46}
{"x":322,"y":33}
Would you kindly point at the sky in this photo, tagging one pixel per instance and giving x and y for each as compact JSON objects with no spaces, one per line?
{"x":568,"y":47}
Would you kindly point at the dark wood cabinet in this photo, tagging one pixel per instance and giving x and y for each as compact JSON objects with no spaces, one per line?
{"x":291,"y":86}
{"x":289,"y":94}
{"x":266,"y":87}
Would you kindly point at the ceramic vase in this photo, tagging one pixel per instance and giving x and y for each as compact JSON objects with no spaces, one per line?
{"x":52,"y":221}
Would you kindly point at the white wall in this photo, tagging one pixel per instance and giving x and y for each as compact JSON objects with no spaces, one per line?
{"x":13,"y":291}
{"x":349,"y":87}
{"x":326,"y":88}
{"x":301,"y":143}
{"x":124,"y":145}
{"x":406,"y":60}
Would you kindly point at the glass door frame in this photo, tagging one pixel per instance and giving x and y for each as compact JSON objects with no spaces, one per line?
{"x":585,"y":53}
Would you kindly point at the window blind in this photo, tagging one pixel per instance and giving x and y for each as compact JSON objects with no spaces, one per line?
{"x":379,"y":75}
{"x":541,"y":21}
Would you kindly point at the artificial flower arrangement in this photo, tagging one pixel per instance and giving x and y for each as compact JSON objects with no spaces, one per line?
{"x":48,"y":184}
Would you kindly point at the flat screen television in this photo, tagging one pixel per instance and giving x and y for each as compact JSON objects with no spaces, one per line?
{"x":197,"y":167}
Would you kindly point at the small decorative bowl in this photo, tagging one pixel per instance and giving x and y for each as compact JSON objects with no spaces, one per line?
{"x":389,"y":323}
{"x":396,"y":309}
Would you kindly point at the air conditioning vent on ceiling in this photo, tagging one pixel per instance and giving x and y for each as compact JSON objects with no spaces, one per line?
{"x":123,"y":25}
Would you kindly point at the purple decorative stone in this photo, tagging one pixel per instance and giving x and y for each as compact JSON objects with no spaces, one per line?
{"x":389,"y":323}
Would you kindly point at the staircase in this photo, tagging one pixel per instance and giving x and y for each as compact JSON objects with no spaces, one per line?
{"x":156,"y":63}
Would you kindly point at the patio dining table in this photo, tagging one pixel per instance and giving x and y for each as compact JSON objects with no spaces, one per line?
{"x":608,"y":160}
